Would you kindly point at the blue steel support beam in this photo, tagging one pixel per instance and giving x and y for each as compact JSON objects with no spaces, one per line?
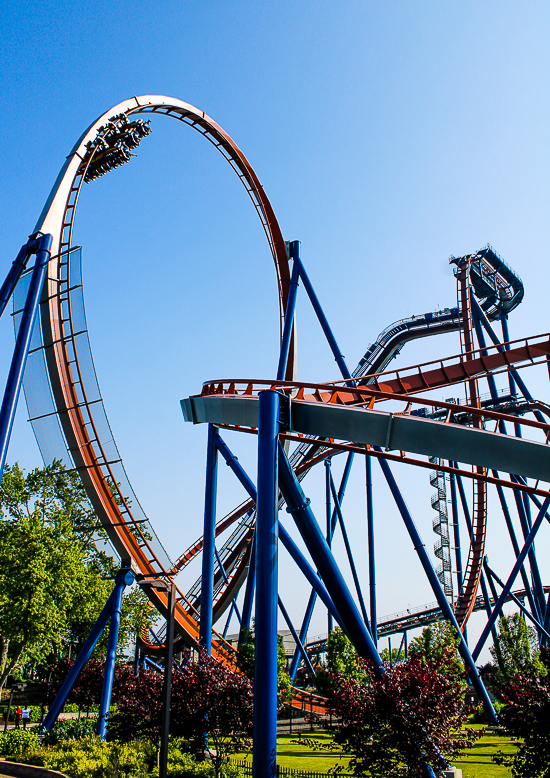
{"x":303,"y":634}
{"x":294,"y":634}
{"x":456,"y":535}
{"x":83,"y":656}
{"x":124,"y":578}
{"x":220,"y":565}
{"x":285,"y":538}
{"x":209,"y":540}
{"x":328,"y":502}
{"x":480,"y":313}
{"x":316,"y":544}
{"x":338,"y":356}
{"x":538,"y":591}
{"x":370,"y":543}
{"x":233,"y":463}
{"x":515,"y":545}
{"x":147,"y":661}
{"x":313,"y":596}
{"x":442,"y":601}
{"x":536,"y":600}
{"x":312,"y":577}
{"x":294,"y":247}
{"x":506,"y":339}
{"x":512,"y":577}
{"x":401,"y":646}
{"x":264,"y":755}
{"x":248,"y":594}
{"x":19,"y":359}
{"x":14,"y":274}
{"x":491,"y":575}
{"x":231,"y":609}
{"x":350,"y":556}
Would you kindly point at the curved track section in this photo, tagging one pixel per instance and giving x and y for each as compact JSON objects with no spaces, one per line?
{"x":66,"y":355}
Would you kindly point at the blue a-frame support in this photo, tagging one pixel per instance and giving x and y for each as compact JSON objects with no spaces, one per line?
{"x":111,"y":610}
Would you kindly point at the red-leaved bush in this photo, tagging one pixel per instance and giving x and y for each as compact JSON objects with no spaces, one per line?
{"x":394,"y":723}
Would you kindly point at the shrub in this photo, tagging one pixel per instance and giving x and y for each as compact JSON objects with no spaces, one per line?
{"x":94,"y":758}
{"x":72,"y":729}
{"x":36,"y":715}
{"x":16,"y":742}
{"x":396,"y":722}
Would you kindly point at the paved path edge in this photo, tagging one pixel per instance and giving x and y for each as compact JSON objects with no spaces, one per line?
{"x":19,"y":770}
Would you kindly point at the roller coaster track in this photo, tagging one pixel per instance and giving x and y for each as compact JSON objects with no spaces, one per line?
{"x":65,"y":352}
{"x":69,"y":375}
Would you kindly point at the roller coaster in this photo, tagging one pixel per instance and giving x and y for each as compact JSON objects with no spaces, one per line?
{"x":370,"y":415}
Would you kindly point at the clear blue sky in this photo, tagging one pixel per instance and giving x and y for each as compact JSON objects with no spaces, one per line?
{"x":388,"y":135}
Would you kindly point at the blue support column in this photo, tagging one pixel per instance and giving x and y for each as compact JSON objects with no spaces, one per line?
{"x":19,"y":360}
{"x":124,"y":578}
{"x":491,"y":575}
{"x":480,"y":313}
{"x":264,"y":759}
{"x":18,"y":266}
{"x":350,"y":556}
{"x":299,"y":507}
{"x":209,"y":540}
{"x":311,"y":576}
{"x":136,"y":659}
{"x":323,"y":321}
{"x":442,"y":601}
{"x":231,"y":609}
{"x":538,"y":591}
{"x":285,"y":538}
{"x":297,"y":640}
{"x":515,"y":545}
{"x":303,"y":634}
{"x":289,"y":313}
{"x":371,"y":548}
{"x":456,"y":535}
{"x":329,"y":525}
{"x":512,"y":577}
{"x":248,"y":593}
{"x":547,"y":615}
{"x":83,"y":656}
{"x":313,"y":596}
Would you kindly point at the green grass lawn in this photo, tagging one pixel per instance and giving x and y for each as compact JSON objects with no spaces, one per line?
{"x":299,"y":757}
{"x":476,"y":763}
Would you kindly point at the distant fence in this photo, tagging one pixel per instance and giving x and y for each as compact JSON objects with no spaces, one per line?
{"x":246,"y":768}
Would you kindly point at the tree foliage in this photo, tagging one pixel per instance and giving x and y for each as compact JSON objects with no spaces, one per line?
{"x":341,"y":662}
{"x":526,"y":715}
{"x":515,"y":651}
{"x":394,"y":722}
{"x":438,"y":643}
{"x":52,"y":577}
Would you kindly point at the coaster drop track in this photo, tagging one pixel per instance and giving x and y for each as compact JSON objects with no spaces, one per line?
{"x":66,"y":408}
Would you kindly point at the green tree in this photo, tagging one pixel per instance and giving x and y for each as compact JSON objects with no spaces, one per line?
{"x":439,"y":643}
{"x":342,"y":656}
{"x":516,"y":649}
{"x":52,"y":585}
